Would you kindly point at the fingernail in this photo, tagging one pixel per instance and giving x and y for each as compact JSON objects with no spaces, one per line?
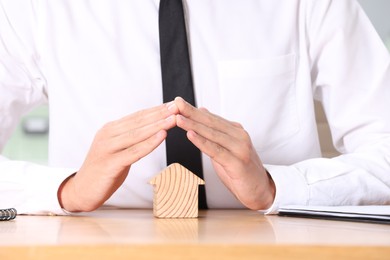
{"x":178,"y":98}
{"x":170,"y":118}
{"x":171,"y":106}
{"x":181,"y":117}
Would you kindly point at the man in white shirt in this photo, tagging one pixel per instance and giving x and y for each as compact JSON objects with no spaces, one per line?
{"x":258,"y":63}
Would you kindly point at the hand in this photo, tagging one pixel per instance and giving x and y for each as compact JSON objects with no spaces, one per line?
{"x":115,"y":148}
{"x":232,"y":153}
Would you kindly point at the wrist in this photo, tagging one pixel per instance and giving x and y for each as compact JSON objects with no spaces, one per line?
{"x":272,"y":190}
{"x":65,"y":194}
{"x":263,"y":194}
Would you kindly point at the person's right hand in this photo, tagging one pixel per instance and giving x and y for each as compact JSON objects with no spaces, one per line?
{"x":115,"y":148}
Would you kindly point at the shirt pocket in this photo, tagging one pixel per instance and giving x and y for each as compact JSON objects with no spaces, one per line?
{"x":260,"y":94}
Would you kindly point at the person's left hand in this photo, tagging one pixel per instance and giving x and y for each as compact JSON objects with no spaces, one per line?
{"x":232,"y":153}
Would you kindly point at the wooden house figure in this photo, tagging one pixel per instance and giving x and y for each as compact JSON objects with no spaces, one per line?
{"x":176,"y":193}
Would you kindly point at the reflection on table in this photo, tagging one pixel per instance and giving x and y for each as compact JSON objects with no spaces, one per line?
{"x":224,"y":233}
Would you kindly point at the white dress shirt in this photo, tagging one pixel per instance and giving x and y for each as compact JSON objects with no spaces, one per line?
{"x":257,"y":62}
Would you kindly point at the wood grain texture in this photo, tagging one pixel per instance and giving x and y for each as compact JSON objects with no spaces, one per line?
{"x":195,"y":251}
{"x":176,"y":193}
{"x":215,"y":234}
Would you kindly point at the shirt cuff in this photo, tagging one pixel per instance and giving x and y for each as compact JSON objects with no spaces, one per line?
{"x":41,"y":190}
{"x":291,"y":188}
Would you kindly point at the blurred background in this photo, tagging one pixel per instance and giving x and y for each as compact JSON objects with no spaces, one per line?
{"x":30,"y":140}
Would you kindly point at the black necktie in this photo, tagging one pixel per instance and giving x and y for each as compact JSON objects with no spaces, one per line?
{"x":177,"y":81}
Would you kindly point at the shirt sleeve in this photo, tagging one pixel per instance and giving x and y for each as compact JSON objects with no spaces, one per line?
{"x":30,"y":188}
{"x":22,"y":86}
{"x":351,"y":78}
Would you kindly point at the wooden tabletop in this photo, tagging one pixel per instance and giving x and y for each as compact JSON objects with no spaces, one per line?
{"x":223,"y":234}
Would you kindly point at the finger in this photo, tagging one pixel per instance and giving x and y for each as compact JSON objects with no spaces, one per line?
{"x":134,"y":153}
{"x":235,"y":140}
{"x":236,"y":124}
{"x":140,"y":118}
{"x":138,"y":135}
{"x":204,"y":116}
{"x":216,"y":152}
